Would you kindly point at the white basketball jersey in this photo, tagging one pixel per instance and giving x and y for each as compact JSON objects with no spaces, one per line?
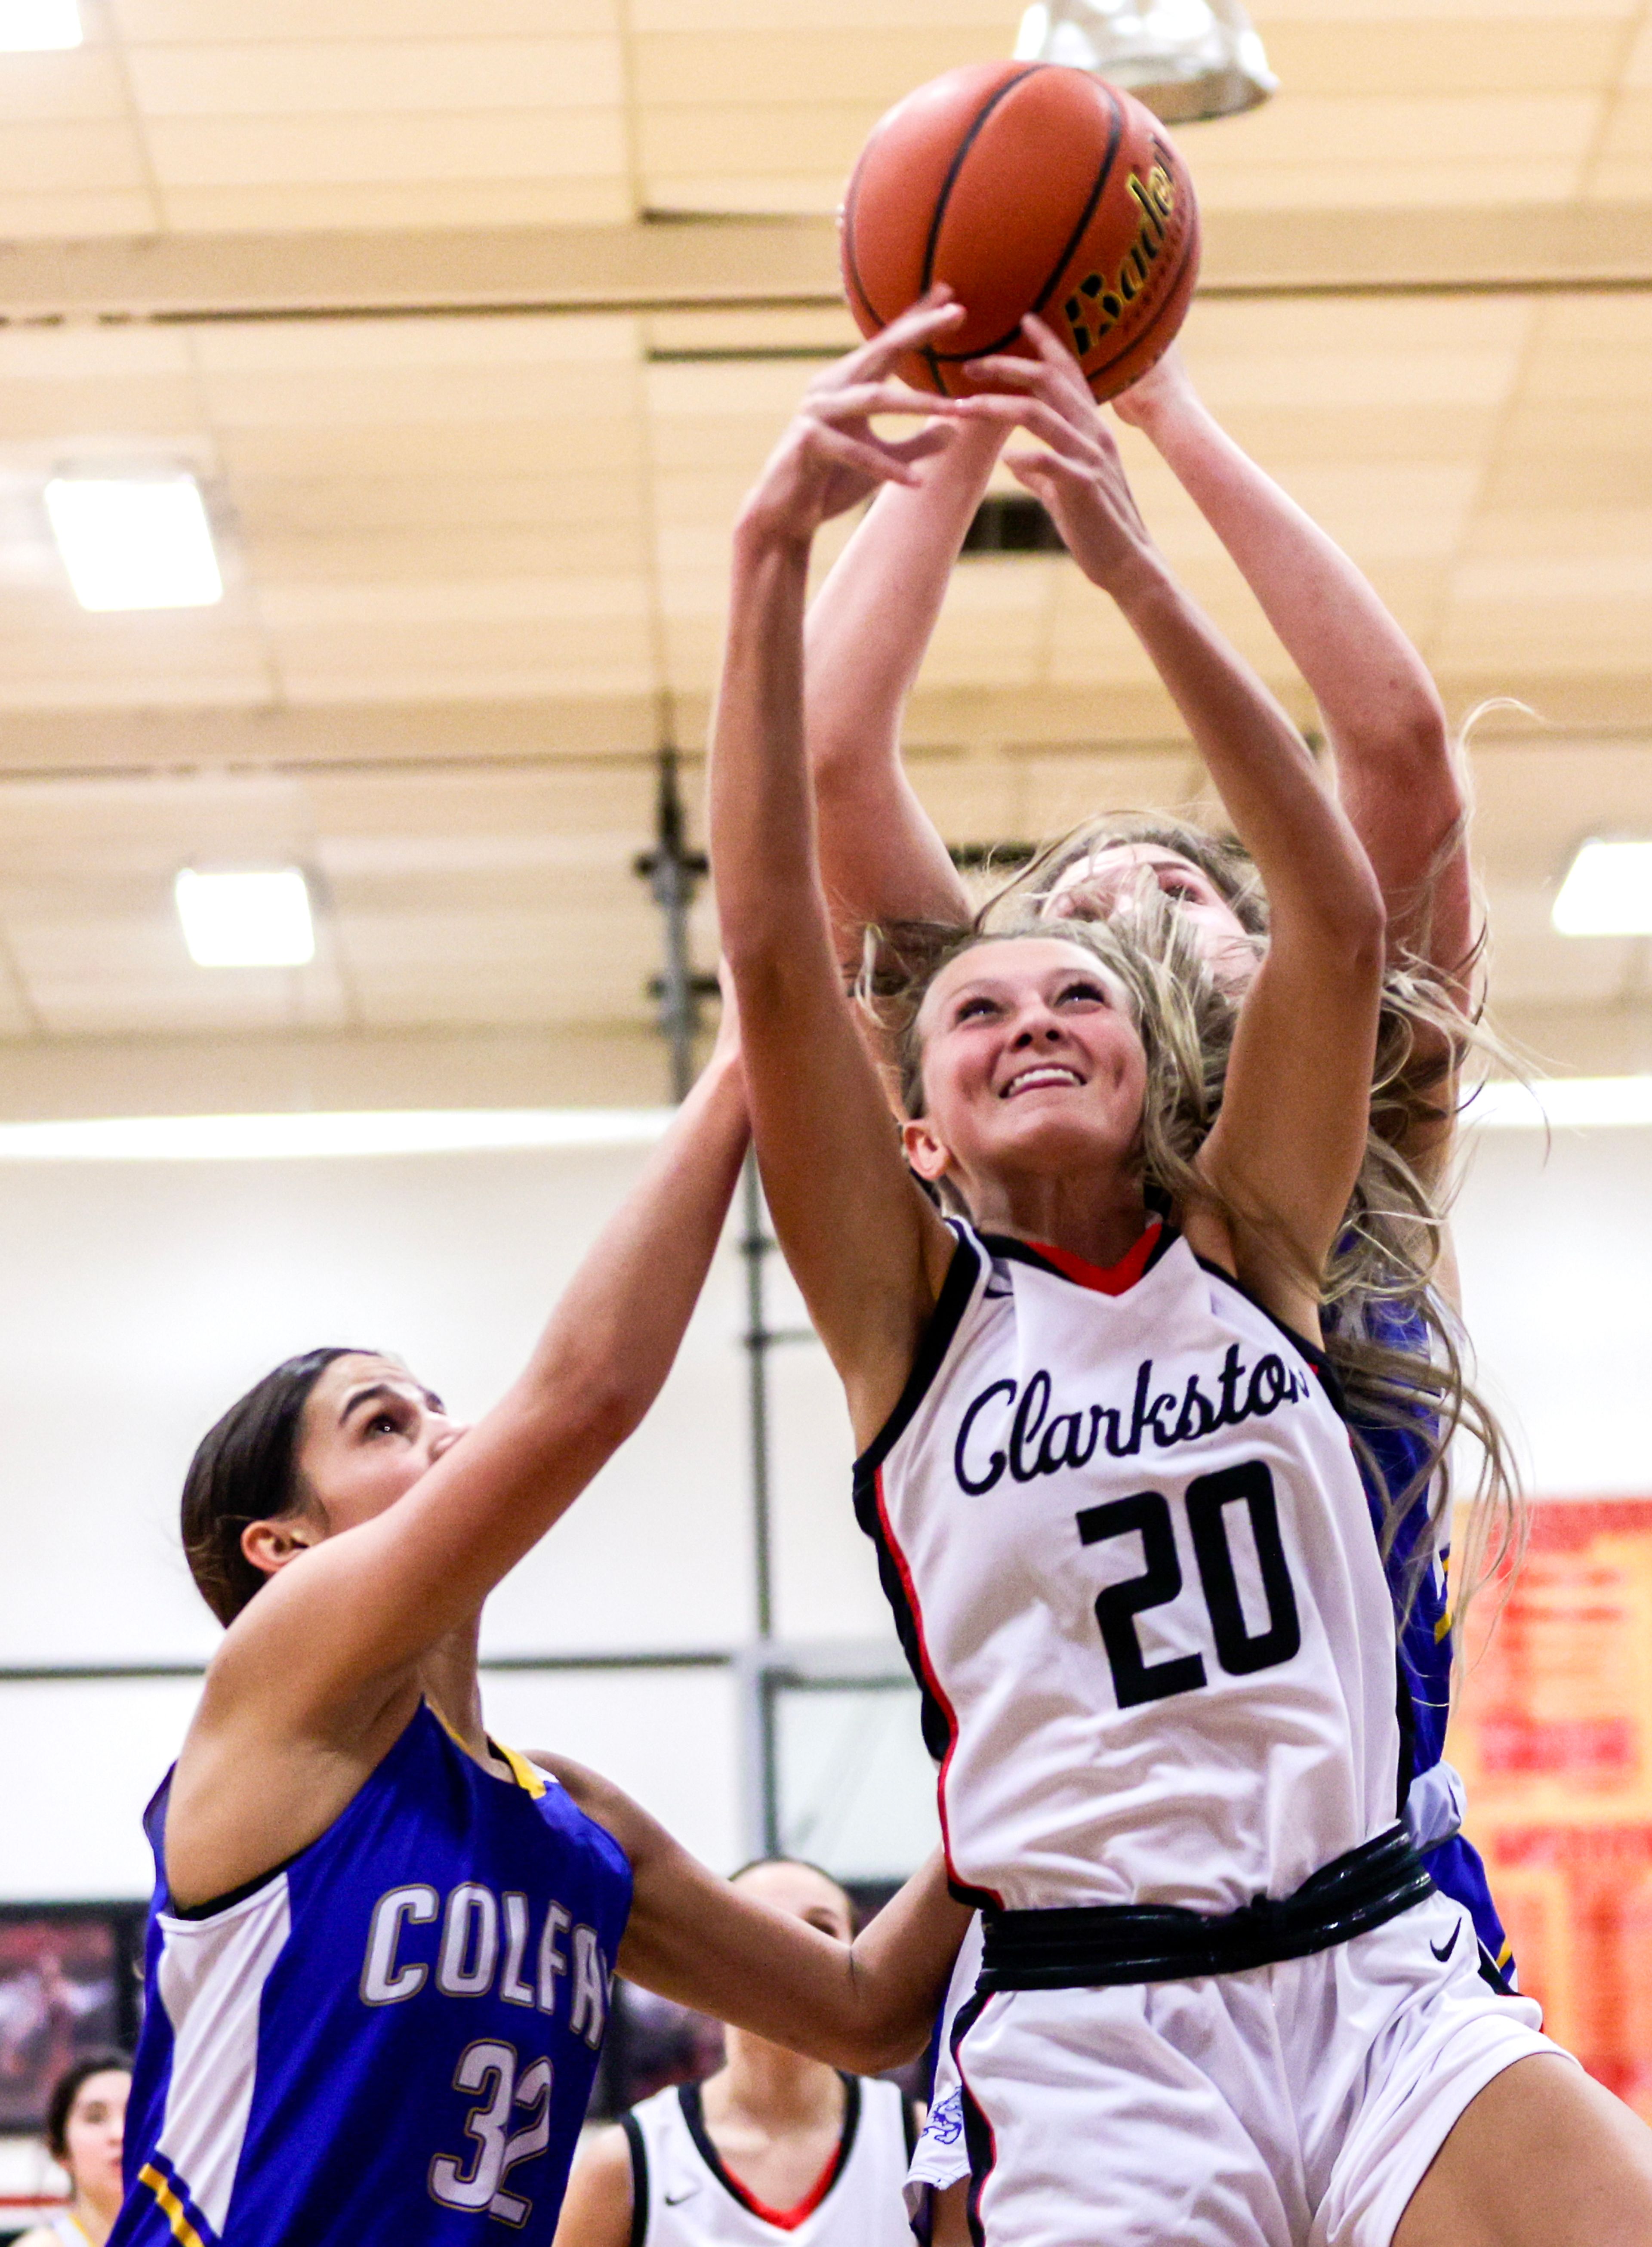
{"x":1131,"y":1560}
{"x":691,"y":2200}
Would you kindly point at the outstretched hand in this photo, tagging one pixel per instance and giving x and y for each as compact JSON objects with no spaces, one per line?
{"x":830,"y":457}
{"x":1080,"y":477}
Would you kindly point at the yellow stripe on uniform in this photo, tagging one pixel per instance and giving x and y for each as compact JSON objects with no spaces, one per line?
{"x":170,"y":2206}
{"x":533,"y":1782}
{"x":1507,"y":1952}
{"x":521,"y":1771}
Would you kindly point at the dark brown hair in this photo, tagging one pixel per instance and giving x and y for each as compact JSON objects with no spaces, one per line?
{"x":245,"y":1470}
{"x":68,"y":2089}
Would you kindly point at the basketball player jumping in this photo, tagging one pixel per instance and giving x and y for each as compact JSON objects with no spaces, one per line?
{"x":1115,"y":1505}
{"x":380,"y":1954}
{"x":1398,"y":782}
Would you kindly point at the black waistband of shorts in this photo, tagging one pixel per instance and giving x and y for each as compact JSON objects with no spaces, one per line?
{"x":1097,"y":1946}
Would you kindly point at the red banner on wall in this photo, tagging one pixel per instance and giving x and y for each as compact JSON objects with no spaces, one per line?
{"x":1554,"y":1739}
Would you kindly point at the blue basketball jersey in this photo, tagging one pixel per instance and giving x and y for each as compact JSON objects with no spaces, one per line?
{"x":1421,"y":1608}
{"x":390,"y":2041}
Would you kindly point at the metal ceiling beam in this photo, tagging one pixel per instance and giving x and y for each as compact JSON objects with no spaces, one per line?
{"x":673,"y":264}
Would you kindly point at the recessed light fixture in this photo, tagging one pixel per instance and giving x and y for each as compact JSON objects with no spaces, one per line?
{"x":35,"y":26}
{"x":134,"y":541}
{"x":1607,"y":890}
{"x":246,"y":920}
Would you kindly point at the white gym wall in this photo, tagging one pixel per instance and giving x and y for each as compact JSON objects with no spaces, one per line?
{"x":140,"y":1297}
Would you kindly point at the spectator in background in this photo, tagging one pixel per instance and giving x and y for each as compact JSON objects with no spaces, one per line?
{"x":773,"y":2146}
{"x":86,"y":2122}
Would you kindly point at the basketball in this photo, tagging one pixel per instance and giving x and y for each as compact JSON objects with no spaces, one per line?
{"x":1026,"y":187}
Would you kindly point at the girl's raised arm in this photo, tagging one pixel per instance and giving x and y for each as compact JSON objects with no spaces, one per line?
{"x":1285,"y":1149}
{"x":868,"y":627}
{"x":866,"y":1248}
{"x":334,"y":1634}
{"x":1397,"y":777}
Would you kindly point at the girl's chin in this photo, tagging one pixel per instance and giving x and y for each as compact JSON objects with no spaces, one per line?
{"x":1059,"y":1143}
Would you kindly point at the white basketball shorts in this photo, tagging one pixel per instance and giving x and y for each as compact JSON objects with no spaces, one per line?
{"x":1296,"y":2105}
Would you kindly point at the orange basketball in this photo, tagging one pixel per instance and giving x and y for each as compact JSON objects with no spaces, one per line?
{"x":1026,"y":188}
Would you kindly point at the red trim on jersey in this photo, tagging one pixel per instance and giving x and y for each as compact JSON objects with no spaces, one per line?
{"x":1105,"y":1279}
{"x":931,"y":1681}
{"x":787,"y":2219}
{"x":780,"y":2219}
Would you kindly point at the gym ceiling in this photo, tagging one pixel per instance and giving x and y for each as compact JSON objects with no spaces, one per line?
{"x":474,"y":317}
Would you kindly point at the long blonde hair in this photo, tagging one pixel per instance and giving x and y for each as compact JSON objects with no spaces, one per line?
{"x":1396,"y":1347}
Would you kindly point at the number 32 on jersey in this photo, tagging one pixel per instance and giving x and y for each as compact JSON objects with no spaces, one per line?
{"x":1238,"y":1648}
{"x":493,"y":2068}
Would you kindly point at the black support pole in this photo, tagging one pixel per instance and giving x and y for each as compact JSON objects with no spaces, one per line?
{"x":674,"y":873}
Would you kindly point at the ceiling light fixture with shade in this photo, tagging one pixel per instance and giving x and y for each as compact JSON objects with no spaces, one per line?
{"x":1607,"y":890}
{"x":1184,"y":58}
{"x":33,"y":27}
{"x":134,"y":541}
{"x":253,"y":919}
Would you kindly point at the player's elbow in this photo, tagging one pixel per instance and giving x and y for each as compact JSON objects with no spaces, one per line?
{"x":874,"y":2054}
{"x":588,"y":1404}
{"x":1346,"y":924}
{"x":1361,"y":924}
{"x":770,"y":960}
{"x":1409,"y":756}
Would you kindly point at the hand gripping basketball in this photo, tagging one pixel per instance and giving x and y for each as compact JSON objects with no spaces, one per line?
{"x":830,"y":457}
{"x":1077,"y":473}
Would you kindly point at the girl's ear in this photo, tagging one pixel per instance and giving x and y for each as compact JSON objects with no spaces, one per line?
{"x":925,"y":1153}
{"x":271,"y":1545}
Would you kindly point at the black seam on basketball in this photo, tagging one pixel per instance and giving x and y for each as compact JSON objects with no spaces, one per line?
{"x":1096,"y":193}
{"x":852,"y":197}
{"x":957,"y":165}
{"x":1136,"y":341}
{"x":1001,"y":342}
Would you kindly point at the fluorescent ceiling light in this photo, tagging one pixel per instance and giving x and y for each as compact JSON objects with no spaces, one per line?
{"x":1607,"y":891}
{"x":134,"y":541}
{"x":1563,"y":1103}
{"x":32,"y":26}
{"x":276,"y":1138}
{"x":246,"y":920}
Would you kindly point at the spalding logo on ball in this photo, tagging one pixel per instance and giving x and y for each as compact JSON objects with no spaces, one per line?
{"x":1026,"y":187}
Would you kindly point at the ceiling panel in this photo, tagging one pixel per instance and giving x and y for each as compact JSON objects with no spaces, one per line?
{"x":220,"y":22}
{"x":533,"y":511}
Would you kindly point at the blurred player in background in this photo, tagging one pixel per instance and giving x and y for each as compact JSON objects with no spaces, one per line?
{"x":771,"y":2147}
{"x":85,"y":2124}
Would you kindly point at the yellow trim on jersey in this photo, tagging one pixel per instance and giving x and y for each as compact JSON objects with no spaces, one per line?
{"x":1507,"y":1952}
{"x":1442,"y":1629}
{"x":170,"y":2206}
{"x":532,"y":1782}
{"x":527,"y":1775}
